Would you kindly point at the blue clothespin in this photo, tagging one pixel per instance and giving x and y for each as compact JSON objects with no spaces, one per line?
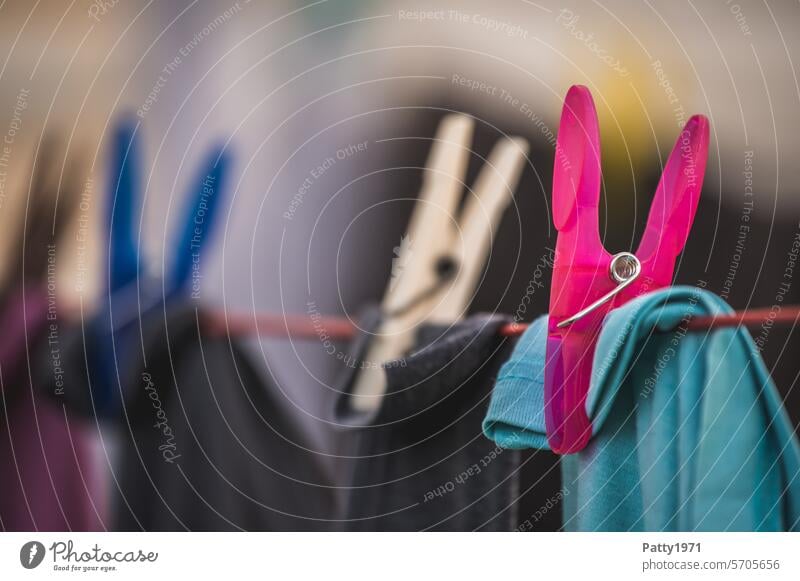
{"x":199,"y":218}
{"x":124,"y":206}
{"x":126,"y":293}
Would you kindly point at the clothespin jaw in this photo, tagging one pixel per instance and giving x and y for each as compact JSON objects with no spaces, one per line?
{"x":675,"y":203}
{"x":123,"y":216}
{"x":587,"y":280}
{"x":124,"y":205}
{"x":204,"y":201}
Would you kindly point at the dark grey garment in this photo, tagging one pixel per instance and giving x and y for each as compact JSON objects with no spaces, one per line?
{"x":421,"y":460}
{"x":206,"y":444}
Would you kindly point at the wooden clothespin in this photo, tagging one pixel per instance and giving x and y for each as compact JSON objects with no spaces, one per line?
{"x":443,"y":253}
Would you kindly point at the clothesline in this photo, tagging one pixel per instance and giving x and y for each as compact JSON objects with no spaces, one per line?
{"x":334,"y":327}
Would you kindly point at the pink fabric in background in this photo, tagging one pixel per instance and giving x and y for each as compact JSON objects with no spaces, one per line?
{"x":48,"y":480}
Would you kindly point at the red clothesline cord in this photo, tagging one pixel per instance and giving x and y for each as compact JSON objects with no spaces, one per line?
{"x":303,"y":327}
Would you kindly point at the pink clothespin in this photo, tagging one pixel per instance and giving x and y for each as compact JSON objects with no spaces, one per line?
{"x":588,"y":281}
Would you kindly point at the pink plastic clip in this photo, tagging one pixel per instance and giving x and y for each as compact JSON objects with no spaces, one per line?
{"x":588,"y":281}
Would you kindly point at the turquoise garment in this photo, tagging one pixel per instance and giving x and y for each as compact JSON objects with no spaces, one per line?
{"x":689,"y":430}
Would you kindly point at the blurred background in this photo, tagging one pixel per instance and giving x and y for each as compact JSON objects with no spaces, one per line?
{"x":286,"y":85}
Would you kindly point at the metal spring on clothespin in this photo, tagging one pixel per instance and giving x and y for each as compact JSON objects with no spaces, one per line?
{"x":624,"y":269}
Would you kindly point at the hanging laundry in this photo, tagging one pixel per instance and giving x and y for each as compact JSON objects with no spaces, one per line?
{"x":421,"y":462}
{"x":197,"y":440}
{"x":208,"y":445}
{"x":689,"y":432}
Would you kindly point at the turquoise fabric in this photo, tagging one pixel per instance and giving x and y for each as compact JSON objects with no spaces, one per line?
{"x":689,"y":431}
